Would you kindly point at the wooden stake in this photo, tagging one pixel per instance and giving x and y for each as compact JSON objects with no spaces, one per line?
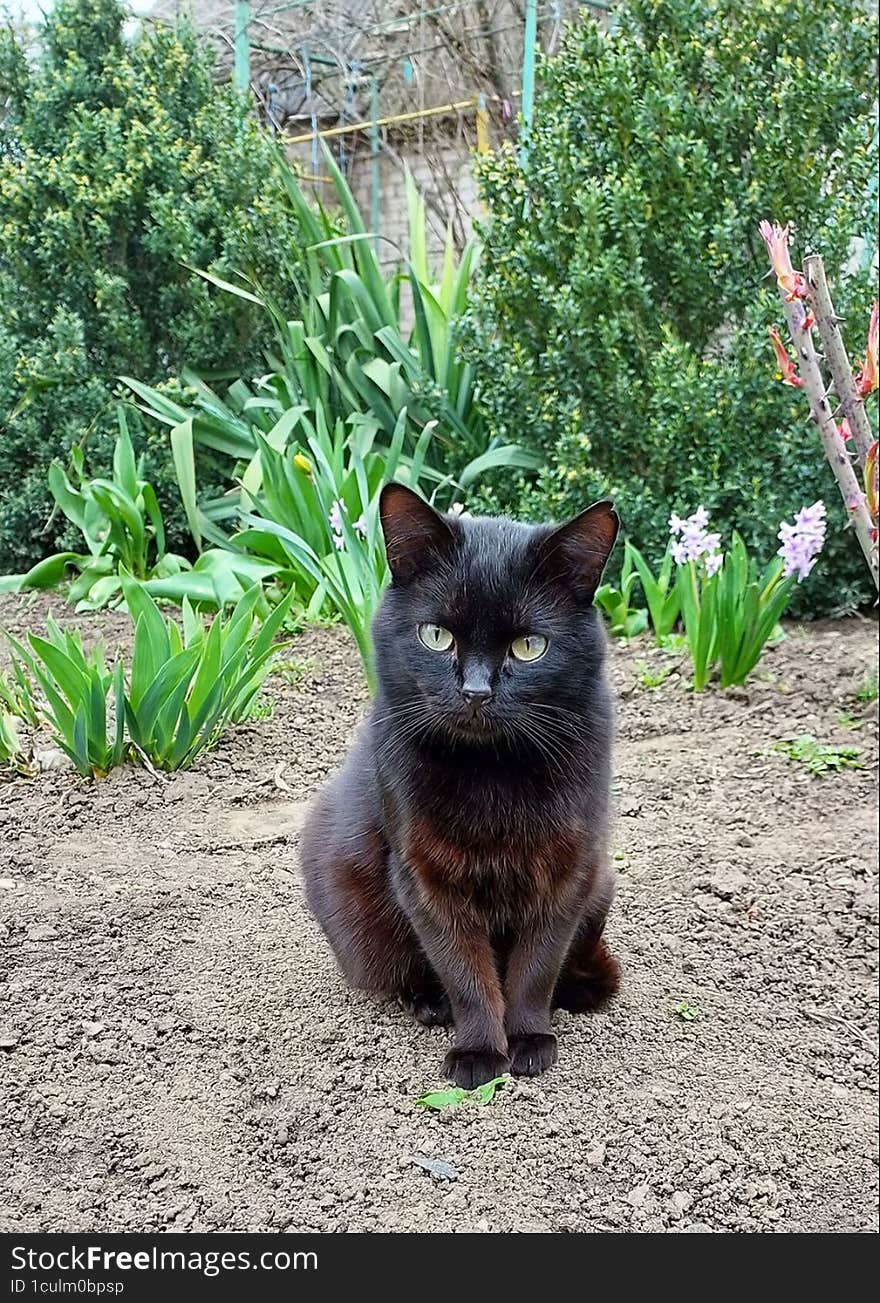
{"x":834,"y":446}
{"x":819,"y":298}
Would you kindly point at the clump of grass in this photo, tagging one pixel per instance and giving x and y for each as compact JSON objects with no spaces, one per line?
{"x":84,"y":699}
{"x":817,"y":757}
{"x":846,"y":720}
{"x":652,"y":678}
{"x":294,"y":670}
{"x":261,"y":708}
{"x":456,"y":1095}
{"x":673,"y":644}
{"x":867,"y":689}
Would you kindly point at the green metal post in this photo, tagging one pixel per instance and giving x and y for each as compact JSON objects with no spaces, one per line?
{"x":530,"y":41}
{"x":242,"y":44}
{"x":375,"y":144}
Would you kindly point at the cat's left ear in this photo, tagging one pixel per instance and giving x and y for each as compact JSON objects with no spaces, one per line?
{"x":415,"y":533}
{"x":576,"y":552}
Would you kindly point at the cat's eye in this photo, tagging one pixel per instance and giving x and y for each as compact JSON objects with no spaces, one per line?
{"x":530,"y":647}
{"x":435,"y":637}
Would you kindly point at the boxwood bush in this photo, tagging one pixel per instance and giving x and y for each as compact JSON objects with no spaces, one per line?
{"x":619,"y":317}
{"x":121,"y":162}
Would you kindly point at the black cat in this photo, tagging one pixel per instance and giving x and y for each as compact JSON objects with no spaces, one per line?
{"x":459,"y":859}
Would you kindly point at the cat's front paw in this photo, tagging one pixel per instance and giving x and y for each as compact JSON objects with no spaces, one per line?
{"x":533,"y":1054}
{"x":470,"y":1068}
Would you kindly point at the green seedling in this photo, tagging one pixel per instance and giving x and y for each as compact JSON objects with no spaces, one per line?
{"x":652,"y":678}
{"x":867,"y":689}
{"x":295,"y":671}
{"x":673,"y":644}
{"x":687,"y":1011}
{"x":262,"y":708}
{"x":818,"y":758}
{"x":846,"y":720}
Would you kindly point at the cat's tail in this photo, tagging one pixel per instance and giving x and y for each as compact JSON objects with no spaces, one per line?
{"x":589,"y":979}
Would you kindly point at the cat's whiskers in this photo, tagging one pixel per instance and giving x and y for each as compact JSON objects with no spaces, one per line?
{"x":410,"y":729}
{"x":397,"y":713}
{"x":565,"y":722}
{"x":553,"y":754}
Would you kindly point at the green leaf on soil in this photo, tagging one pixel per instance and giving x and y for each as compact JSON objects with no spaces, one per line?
{"x":455,"y":1095}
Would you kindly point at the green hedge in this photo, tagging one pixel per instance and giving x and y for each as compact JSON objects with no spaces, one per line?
{"x":121,"y":165}
{"x":619,"y":317}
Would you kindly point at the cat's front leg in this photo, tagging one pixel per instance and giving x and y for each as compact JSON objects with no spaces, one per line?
{"x":461,"y":953}
{"x":465,"y":960}
{"x":533,"y":968}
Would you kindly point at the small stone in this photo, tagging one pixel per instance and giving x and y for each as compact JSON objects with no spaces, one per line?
{"x":92,"y":1028}
{"x":42,"y":932}
{"x":595,"y":1157}
{"x":9,"y":1040}
{"x":48,"y":758}
{"x":638,"y":1196}
{"x":681,"y":1201}
{"x":144,"y":1036}
{"x":697,"y":1228}
{"x":8,"y":883}
{"x":439,"y":1167}
{"x":728,"y":882}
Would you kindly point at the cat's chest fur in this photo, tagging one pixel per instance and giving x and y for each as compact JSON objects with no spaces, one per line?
{"x":490,"y":837}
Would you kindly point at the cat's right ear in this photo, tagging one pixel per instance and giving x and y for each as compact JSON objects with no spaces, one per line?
{"x":415,"y":533}
{"x":577,"y":551}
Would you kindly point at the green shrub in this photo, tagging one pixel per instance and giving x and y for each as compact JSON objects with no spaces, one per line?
{"x":618,"y":319}
{"x":120,"y":163}
{"x":341,"y":354}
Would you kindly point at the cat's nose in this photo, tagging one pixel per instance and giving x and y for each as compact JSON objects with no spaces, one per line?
{"x":476,"y":695}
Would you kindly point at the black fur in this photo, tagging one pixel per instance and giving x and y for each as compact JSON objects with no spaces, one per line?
{"x":458,"y":861}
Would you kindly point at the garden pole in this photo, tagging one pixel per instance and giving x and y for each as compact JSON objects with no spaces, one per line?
{"x":375,"y":146}
{"x":832,"y":442}
{"x":528,"y":75}
{"x":482,"y":125}
{"x":242,"y":44}
{"x":835,"y":355}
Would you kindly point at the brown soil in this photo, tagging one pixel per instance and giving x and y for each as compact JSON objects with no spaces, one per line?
{"x":181,"y":1053}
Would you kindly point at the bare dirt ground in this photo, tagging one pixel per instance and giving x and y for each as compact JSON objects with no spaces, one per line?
{"x":181,"y":1054}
